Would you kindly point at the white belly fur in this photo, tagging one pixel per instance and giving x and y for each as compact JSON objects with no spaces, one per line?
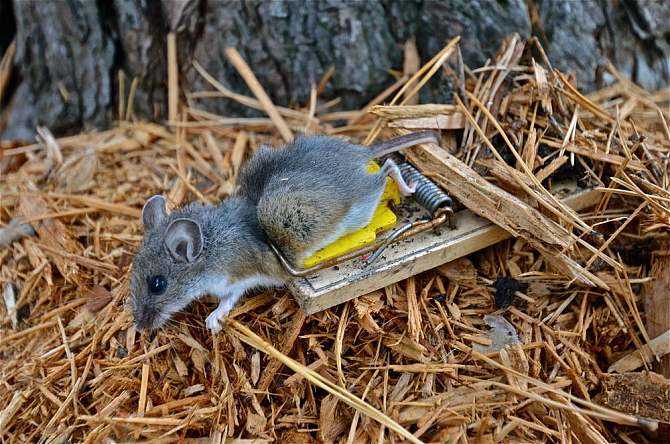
{"x":221,"y":287}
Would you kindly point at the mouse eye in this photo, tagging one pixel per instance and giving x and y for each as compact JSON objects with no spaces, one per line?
{"x":157,"y":284}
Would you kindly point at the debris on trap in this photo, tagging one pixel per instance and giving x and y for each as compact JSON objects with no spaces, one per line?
{"x":644,"y":394}
{"x":506,"y":287}
{"x":501,"y":335}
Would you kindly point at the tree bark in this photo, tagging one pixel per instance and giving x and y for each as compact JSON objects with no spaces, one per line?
{"x":69,"y":53}
{"x":64,"y":58}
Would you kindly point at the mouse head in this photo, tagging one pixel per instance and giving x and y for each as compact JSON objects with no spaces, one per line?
{"x":166,"y":267}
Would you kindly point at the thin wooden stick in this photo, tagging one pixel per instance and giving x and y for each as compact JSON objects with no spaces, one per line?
{"x":249,"y":337}
{"x":173,"y":77}
{"x":254,"y":85}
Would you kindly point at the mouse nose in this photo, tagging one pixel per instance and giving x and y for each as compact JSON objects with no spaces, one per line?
{"x":144,"y":317}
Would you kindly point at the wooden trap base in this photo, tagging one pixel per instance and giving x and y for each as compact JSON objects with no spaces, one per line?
{"x":409,"y":257}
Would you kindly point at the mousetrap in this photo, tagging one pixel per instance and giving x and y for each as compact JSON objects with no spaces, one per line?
{"x":403,"y":239}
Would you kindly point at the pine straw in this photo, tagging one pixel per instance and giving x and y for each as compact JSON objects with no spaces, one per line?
{"x":402,"y":363}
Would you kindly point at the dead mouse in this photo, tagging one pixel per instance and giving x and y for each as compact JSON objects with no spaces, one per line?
{"x":302,"y":197}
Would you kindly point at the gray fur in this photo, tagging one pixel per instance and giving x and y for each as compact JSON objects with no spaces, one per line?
{"x":302,"y":197}
{"x":153,"y":211}
{"x":408,"y":140}
{"x":234,"y":246}
{"x":308,"y":189}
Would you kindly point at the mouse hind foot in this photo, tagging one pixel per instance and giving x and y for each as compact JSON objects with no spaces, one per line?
{"x":391,"y":170}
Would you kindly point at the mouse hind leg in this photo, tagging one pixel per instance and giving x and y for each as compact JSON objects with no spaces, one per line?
{"x":361,"y":212}
{"x":358,"y":216}
{"x":391,"y":170}
{"x":299,"y":223}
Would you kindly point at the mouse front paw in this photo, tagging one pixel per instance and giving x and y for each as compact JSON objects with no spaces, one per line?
{"x":213,"y":322}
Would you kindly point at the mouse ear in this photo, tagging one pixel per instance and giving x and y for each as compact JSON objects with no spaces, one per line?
{"x":183,"y":240}
{"x":153,"y":211}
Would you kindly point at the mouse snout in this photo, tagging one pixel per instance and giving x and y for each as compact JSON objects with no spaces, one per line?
{"x":145,"y":316}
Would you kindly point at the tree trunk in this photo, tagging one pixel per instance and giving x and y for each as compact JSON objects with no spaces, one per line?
{"x":69,"y":53}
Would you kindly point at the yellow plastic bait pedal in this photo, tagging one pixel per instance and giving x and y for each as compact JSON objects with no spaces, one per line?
{"x":382,"y":220}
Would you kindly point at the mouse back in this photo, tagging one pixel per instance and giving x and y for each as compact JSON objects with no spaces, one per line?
{"x":310,"y":192}
{"x":313,"y":161}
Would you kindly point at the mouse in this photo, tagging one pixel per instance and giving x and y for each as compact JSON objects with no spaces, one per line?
{"x":301,"y":197}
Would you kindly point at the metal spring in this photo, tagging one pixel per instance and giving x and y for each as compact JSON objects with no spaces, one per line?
{"x":427,"y":194}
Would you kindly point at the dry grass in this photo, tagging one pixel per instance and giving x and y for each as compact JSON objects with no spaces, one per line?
{"x":409,"y":362}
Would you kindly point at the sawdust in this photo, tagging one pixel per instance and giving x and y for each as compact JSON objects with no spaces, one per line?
{"x":400,"y":363}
